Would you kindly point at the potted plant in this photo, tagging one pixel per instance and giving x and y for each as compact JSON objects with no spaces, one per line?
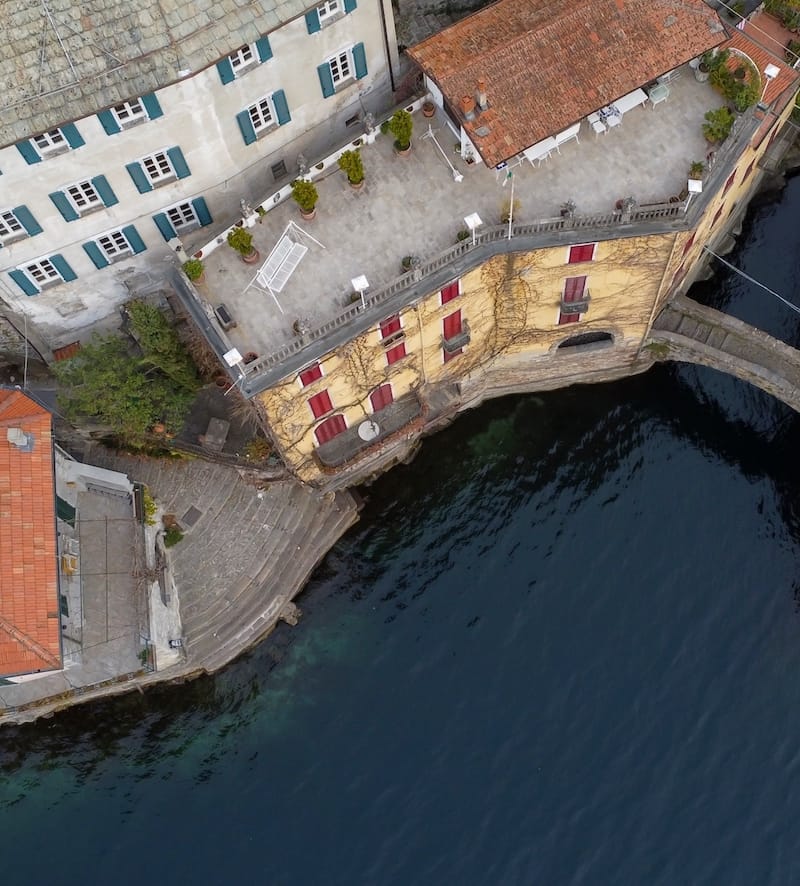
{"x":696,"y":169}
{"x":409,"y":263}
{"x":401,"y":125}
{"x":351,"y":163}
{"x":428,"y":108}
{"x":304,"y":193}
{"x":194,"y":270}
{"x":718,"y":125}
{"x":242,"y":241}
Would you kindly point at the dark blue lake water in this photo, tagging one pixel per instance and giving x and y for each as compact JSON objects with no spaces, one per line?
{"x":561,"y":647}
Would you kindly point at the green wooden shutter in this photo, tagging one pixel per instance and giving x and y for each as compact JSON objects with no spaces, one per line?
{"x":201,"y":210}
{"x":25,"y":284}
{"x":178,"y":163}
{"x":312,"y":21}
{"x":264,"y":49}
{"x":350,"y":5}
{"x":71,"y":134}
{"x":29,"y":152}
{"x":152,"y":106}
{"x":225,"y":70}
{"x":246,"y":126}
{"x":132,"y":236}
{"x":63,"y":268}
{"x":360,"y":61}
{"x":104,"y":191}
{"x":96,"y":254}
{"x":142,"y":182}
{"x":63,"y":205}
{"x":281,"y":107}
{"x":325,"y":80}
{"x":26,"y":219}
{"x":109,"y":122}
{"x":164,"y":225}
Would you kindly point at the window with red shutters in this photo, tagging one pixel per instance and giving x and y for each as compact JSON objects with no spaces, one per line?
{"x":689,"y":243}
{"x":381,"y":397}
{"x":717,"y":215}
{"x":563,"y":319}
{"x":390,"y":326}
{"x":450,"y":292}
{"x":581,"y":253}
{"x":320,"y":403}
{"x":330,"y":428}
{"x":451,"y":325}
{"x":307,"y":376}
{"x":729,"y":182}
{"x":748,"y":170}
{"x":574,"y":288}
{"x":396,"y":353}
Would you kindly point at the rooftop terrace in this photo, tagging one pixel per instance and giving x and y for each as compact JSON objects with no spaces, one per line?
{"x":413,"y":206}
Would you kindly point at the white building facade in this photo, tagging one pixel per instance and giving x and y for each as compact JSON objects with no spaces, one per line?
{"x":205,"y":113}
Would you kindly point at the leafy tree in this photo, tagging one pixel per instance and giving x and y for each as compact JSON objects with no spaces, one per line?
{"x":130,"y":392}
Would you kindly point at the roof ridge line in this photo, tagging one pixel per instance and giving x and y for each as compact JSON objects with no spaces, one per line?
{"x":29,"y":643}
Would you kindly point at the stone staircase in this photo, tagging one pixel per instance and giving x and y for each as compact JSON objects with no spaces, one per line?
{"x":247,"y":555}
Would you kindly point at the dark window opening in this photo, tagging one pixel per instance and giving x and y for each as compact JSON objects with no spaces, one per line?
{"x":351,"y":121}
{"x":587,"y":338}
{"x":278,"y":170}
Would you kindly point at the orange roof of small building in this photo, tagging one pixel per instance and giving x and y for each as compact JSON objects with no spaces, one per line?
{"x":30,"y":624}
{"x":749,"y":43}
{"x":547,"y":65}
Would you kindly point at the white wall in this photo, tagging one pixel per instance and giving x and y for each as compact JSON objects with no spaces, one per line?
{"x":199,"y":116}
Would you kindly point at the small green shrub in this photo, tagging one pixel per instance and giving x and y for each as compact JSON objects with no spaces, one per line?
{"x":193,"y":268}
{"x":304,"y":194}
{"x":401,"y":124}
{"x":257,"y":449}
{"x":172,"y":536}
{"x":241,"y":240}
{"x":150,"y":507}
{"x":718,"y":125}
{"x":351,"y":163}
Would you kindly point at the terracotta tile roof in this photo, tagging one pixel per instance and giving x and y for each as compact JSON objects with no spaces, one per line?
{"x":30,"y":626}
{"x":749,"y":43}
{"x":67,"y":351}
{"x":546,"y":66}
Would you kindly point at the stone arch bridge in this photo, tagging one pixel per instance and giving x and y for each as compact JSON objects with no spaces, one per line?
{"x":693,"y":333}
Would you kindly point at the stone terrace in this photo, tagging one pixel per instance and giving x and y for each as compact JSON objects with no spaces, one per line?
{"x":412,"y":206}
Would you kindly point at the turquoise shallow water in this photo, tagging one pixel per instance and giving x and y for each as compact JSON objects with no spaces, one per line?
{"x":561,"y":647}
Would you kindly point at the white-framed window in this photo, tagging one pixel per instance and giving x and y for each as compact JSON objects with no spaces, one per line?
{"x":157,"y":167}
{"x":10,"y":226}
{"x":243,"y":58}
{"x":83,"y":196}
{"x":341,"y":66}
{"x":50,"y":142}
{"x":114,"y":245}
{"x":262,"y":114}
{"x":183,"y":216}
{"x":329,"y":10}
{"x":42,"y":272}
{"x":130,"y":112}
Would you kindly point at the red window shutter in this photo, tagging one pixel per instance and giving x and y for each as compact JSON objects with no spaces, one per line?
{"x":689,"y":243}
{"x":449,"y":357}
{"x":717,"y":215}
{"x":678,"y":275}
{"x":574,"y":288}
{"x":563,"y":319}
{"x":451,"y":325}
{"x":390,"y":326}
{"x":310,"y":375}
{"x":729,"y":182}
{"x":748,"y":170}
{"x":330,"y":428}
{"x":320,"y":403}
{"x":396,"y":353}
{"x":581,"y":253}
{"x":381,"y":397}
{"x":450,"y":292}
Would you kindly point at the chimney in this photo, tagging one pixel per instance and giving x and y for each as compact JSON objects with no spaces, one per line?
{"x":480,"y":95}
{"x":468,"y":107}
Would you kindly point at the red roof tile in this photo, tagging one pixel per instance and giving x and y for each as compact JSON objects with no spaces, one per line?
{"x":30,"y":629}
{"x":67,"y":351}
{"x":546,"y":66}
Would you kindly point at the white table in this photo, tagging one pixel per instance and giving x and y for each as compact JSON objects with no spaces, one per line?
{"x":658,"y":94}
{"x":630,"y":101}
{"x":569,"y":133}
{"x":536,"y":154}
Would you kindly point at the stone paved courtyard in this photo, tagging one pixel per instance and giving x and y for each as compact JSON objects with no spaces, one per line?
{"x":413,"y":206}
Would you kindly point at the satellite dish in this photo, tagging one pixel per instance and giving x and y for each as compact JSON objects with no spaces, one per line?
{"x":368,"y":430}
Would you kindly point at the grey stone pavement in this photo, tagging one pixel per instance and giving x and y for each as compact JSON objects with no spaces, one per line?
{"x":110,"y":641}
{"x":412,"y":206}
